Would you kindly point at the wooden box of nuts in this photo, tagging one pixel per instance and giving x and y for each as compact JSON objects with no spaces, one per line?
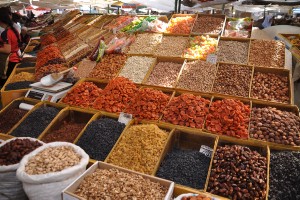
{"x":181,"y":161}
{"x":275,"y":125}
{"x":164,"y":73}
{"x":72,"y":121}
{"x":12,"y":114}
{"x":78,"y":185}
{"x":272,"y":85}
{"x":231,"y":158}
{"x":207,"y":24}
{"x":23,"y":74}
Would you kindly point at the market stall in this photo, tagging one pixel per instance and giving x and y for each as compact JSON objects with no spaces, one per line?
{"x":190,"y":106}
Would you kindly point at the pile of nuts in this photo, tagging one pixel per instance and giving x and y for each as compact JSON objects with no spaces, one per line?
{"x":84,"y":68}
{"x":238,"y":173}
{"x":148,"y":104}
{"x":164,"y":74}
{"x":274,"y":125}
{"x":139,"y":148}
{"x":22,"y":76}
{"x":187,"y":110}
{"x":197,"y":76}
{"x":52,"y":159}
{"x":11,"y":117}
{"x":208,"y":25}
{"x":114,"y":184}
{"x":118,"y":94}
{"x":233,"y":80}
{"x":136,"y":68}
{"x":233,"y":51}
{"x":109,"y":66}
{"x":96,"y":145}
{"x":83,"y":95}
{"x":228,"y":117}
{"x":172,"y":46}
{"x":267,"y":53}
{"x":67,"y":132}
{"x":271,"y":87}
{"x":284,"y":175}
{"x":12,"y":152}
{"x":36,"y":122}
{"x":145,"y":43}
{"x":185,"y":167}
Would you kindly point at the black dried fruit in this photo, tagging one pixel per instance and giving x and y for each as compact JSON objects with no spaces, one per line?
{"x":18,"y":85}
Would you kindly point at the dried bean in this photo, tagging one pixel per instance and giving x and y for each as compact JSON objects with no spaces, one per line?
{"x":228,"y":117}
{"x":284,"y":175}
{"x":274,"y":125}
{"x":172,"y":46}
{"x":271,"y":87}
{"x":118,"y":94}
{"x":238,"y":173}
{"x":12,"y":152}
{"x":139,"y":148}
{"x":114,"y":184}
{"x":164,"y":74}
{"x":99,"y":137}
{"x":233,"y":51}
{"x":67,"y":132}
{"x":197,"y":76}
{"x":208,"y":25}
{"x":82,"y":95}
{"x":10,"y":118}
{"x":22,"y":76}
{"x":187,"y":110}
{"x":233,"y":80}
{"x":18,"y":85}
{"x":185,"y":167}
{"x":109,"y":66}
{"x":36,"y":122}
{"x":267,"y":53}
{"x":148,"y":104}
{"x":52,"y":159}
{"x":145,"y":43}
{"x":136,"y":68}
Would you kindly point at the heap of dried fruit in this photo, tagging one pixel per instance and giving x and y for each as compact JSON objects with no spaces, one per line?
{"x":109,"y":66}
{"x":47,"y":39}
{"x":49,"y":69}
{"x":187,"y":110}
{"x":228,"y":117}
{"x":180,"y":25}
{"x":82,"y":95}
{"x":48,"y":53}
{"x":118,"y":93}
{"x":148,"y":104}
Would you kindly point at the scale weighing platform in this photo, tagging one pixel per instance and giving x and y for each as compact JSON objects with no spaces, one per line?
{"x":48,"y":93}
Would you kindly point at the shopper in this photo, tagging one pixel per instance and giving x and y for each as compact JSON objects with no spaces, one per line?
{"x":10,"y":40}
{"x":24,"y":38}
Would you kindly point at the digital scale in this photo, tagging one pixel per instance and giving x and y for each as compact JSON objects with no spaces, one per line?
{"x":48,"y":93}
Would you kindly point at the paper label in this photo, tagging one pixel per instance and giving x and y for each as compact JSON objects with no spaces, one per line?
{"x":207,"y":151}
{"x":125,"y":118}
{"x":212,"y":58}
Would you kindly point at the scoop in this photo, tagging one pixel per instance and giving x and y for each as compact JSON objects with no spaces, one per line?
{"x":53,"y":78}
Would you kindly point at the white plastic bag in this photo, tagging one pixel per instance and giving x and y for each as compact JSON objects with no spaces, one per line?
{"x":50,"y":186}
{"x":10,"y":187}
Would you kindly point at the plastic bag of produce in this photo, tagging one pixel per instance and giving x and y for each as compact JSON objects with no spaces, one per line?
{"x":10,"y":187}
{"x":48,"y":170}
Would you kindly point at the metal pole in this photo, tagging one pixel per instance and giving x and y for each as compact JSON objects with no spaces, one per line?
{"x":179,"y":6}
{"x":176,"y":3}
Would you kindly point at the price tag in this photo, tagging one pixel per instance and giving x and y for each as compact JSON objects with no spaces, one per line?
{"x":207,"y":151}
{"x":125,"y":118}
{"x":212,"y":58}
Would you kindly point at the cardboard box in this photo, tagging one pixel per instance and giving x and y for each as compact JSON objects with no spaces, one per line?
{"x":68,"y":193}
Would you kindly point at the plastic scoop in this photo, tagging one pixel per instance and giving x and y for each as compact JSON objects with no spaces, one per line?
{"x":53,"y":78}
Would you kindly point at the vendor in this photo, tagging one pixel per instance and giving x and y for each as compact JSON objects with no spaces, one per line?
{"x":268,"y":21}
{"x":10,"y":39}
{"x":24,"y":38}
